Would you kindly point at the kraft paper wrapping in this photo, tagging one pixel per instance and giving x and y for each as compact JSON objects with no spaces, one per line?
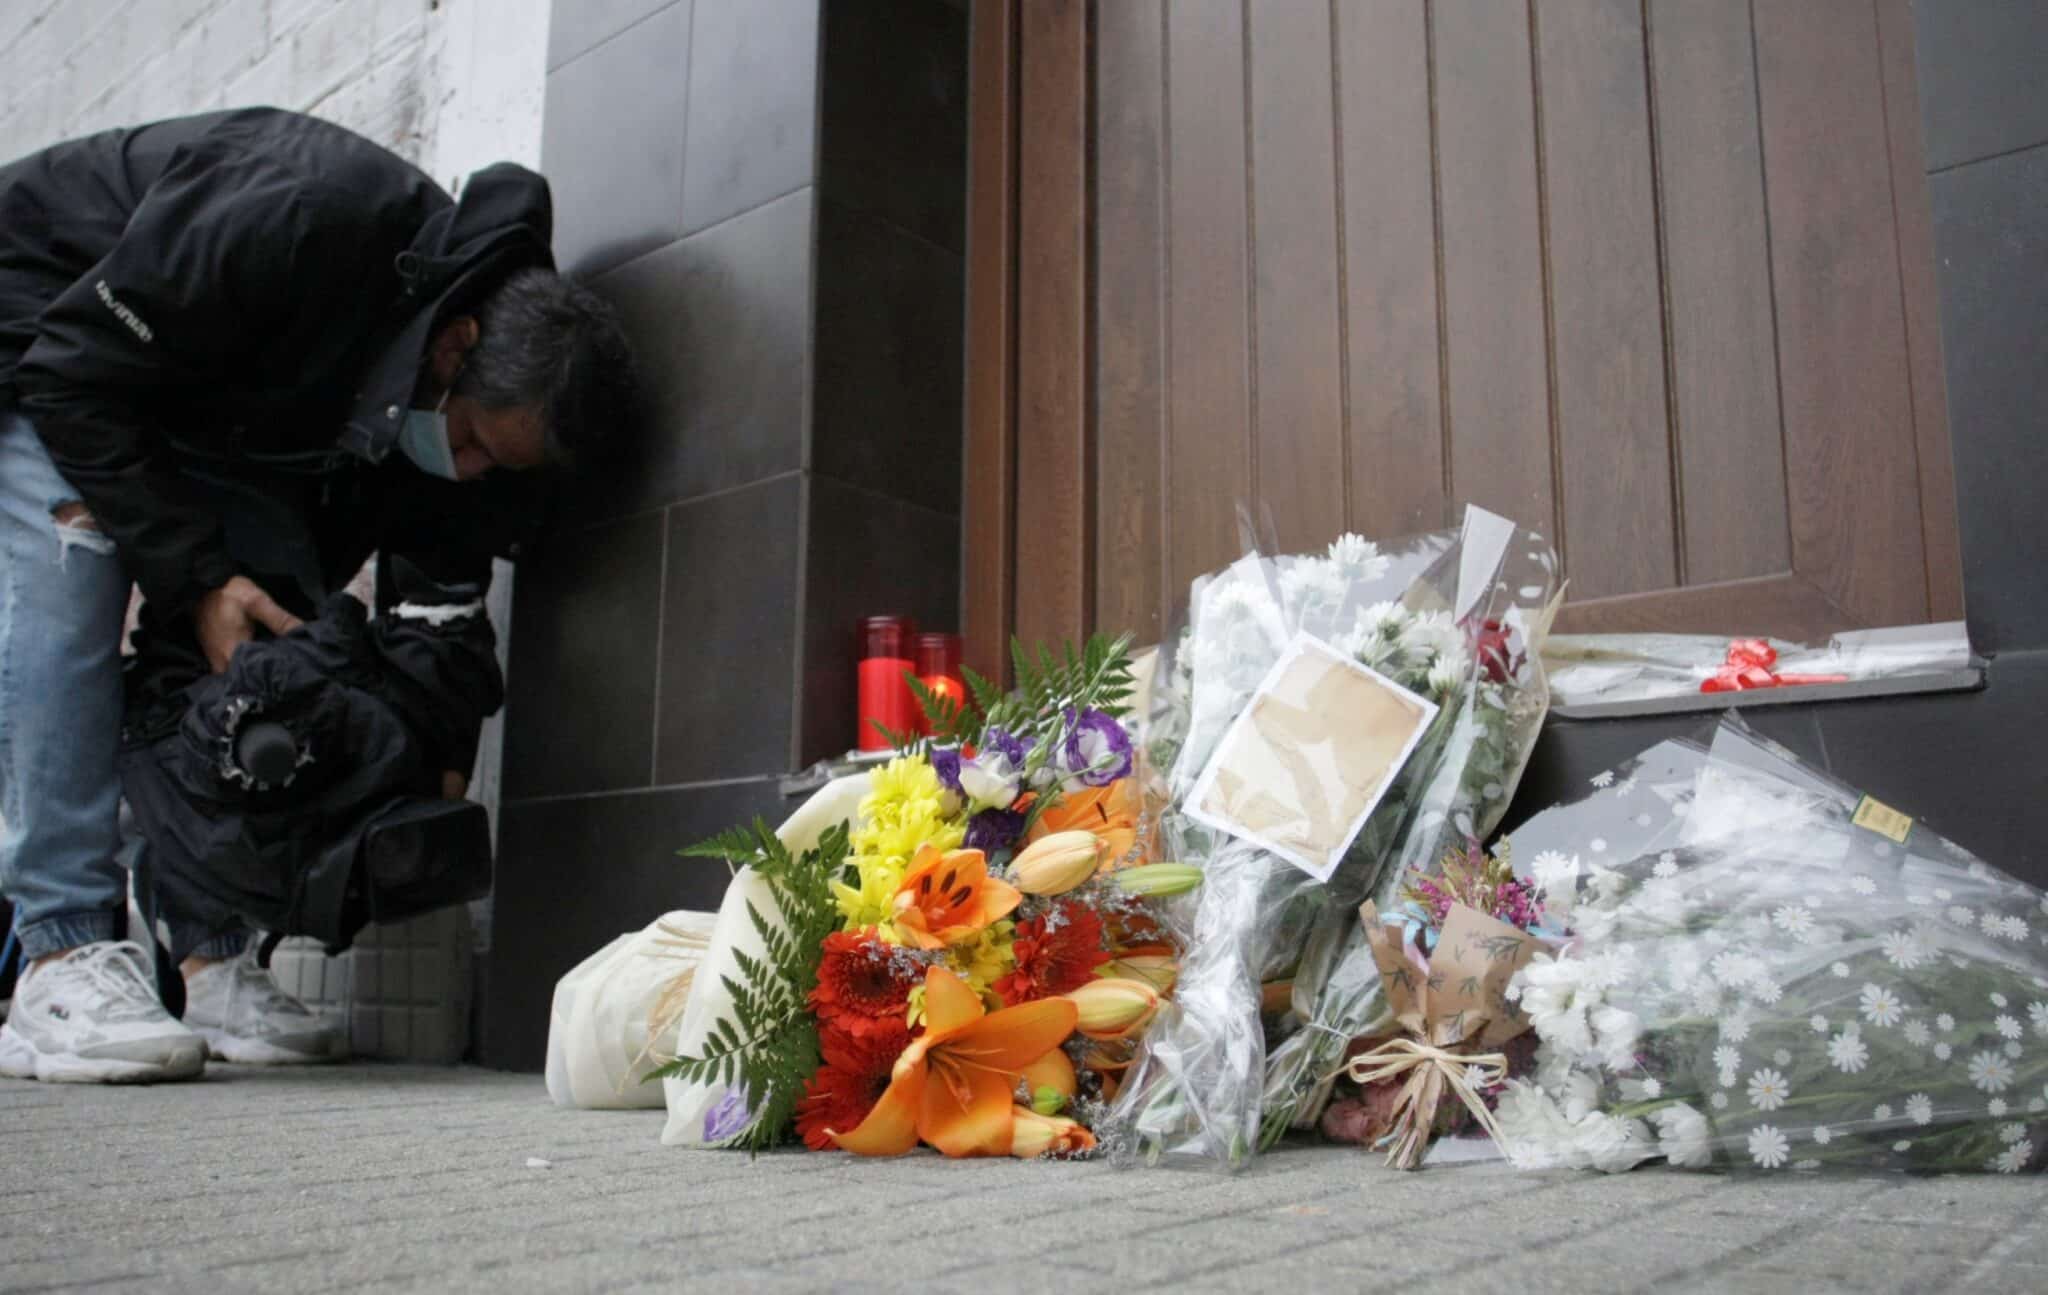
{"x":1456,"y":1012}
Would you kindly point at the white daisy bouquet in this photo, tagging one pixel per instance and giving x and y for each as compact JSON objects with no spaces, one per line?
{"x":1278,"y":979}
{"x":1769,"y":971}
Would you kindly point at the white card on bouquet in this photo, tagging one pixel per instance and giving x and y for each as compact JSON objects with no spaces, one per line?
{"x":1309,"y":759}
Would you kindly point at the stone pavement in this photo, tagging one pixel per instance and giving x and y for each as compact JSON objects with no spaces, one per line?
{"x":292,"y":1182}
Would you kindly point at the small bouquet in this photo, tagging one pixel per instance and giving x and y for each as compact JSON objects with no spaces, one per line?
{"x":957,"y":949}
{"x":1452,"y":1006}
{"x":1771,"y":971}
{"x":1258,"y":757}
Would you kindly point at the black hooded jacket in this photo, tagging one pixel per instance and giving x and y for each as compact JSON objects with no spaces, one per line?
{"x":246,"y":288}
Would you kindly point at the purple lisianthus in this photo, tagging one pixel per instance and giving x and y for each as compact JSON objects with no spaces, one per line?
{"x":946,"y":763}
{"x":992,"y":779}
{"x":1097,"y":750}
{"x":1010,"y":747}
{"x":994,"y":830}
{"x":728,"y":1118}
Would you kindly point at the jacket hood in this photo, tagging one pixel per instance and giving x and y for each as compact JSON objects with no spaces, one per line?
{"x":503,"y":222}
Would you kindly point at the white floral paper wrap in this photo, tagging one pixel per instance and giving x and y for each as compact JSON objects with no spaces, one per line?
{"x":1772,"y":972}
{"x":701,"y":1114}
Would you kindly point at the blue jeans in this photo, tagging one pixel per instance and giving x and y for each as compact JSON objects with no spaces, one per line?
{"x":63,"y":601}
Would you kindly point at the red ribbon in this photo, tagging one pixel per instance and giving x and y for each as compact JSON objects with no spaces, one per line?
{"x":1749,"y":666}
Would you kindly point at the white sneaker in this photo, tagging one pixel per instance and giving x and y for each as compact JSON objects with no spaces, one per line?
{"x":236,"y":1006}
{"x":92,"y":1016}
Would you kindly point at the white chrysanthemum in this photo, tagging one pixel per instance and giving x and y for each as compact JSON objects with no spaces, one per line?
{"x":1431,"y":634}
{"x":1765,"y":990}
{"x":1995,"y":1108}
{"x":2012,"y":1133}
{"x":1945,"y":1023}
{"x":1848,"y":1052}
{"x":1719,"y":1101}
{"x":1962,"y":916}
{"x":1997,"y":999}
{"x":1616,"y":1033}
{"x":2013,"y":928}
{"x":1768,"y":1147}
{"x":1818,"y":1023}
{"x":1991,"y":1072}
{"x":1614,"y":1144}
{"x":2013,"y":1159}
{"x":1823,"y":1134}
{"x":1862,"y":884}
{"x":1793,"y":919}
{"x":1920,"y":1108}
{"x":1447,"y":673}
{"x":1313,"y":590}
{"x":1903,"y":949}
{"x":2037,"y":1016}
{"x":1991,"y":923}
{"x":1881,"y":1007}
{"x":2013,"y":1049}
{"x":1840,"y":969}
{"x":1942,"y":1052}
{"x":1603,"y":778}
{"x":1683,"y":1135}
{"x":1358,"y":557}
{"x":1727,"y":1058}
{"x":1667,"y":865}
{"x":1917,"y":1033}
{"x":2008,"y":1027}
{"x":1768,"y":1090}
{"x":1882,"y":1112}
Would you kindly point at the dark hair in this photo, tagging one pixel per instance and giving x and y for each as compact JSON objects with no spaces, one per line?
{"x":547,"y":342}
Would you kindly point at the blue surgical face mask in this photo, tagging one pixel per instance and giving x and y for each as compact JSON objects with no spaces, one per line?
{"x":424,"y":440}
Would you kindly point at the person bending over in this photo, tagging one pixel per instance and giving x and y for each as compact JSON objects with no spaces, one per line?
{"x":239,"y":353}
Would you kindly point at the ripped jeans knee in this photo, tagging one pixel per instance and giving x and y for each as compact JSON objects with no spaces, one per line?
{"x":77,"y":528}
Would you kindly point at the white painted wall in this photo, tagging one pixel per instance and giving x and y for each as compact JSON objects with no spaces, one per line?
{"x":451,"y":85}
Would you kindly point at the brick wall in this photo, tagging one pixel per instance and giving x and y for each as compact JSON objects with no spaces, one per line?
{"x":451,"y":85}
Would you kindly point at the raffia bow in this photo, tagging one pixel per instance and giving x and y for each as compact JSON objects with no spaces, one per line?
{"x":1430,"y":1070}
{"x":1451,"y":1005}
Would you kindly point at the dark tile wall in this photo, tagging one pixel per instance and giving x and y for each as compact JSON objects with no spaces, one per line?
{"x":608,"y":865}
{"x":1983,"y":73}
{"x":685,"y":632}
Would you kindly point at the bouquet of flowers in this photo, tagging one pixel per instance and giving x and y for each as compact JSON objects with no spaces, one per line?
{"x":1278,"y":977}
{"x":1770,"y":970}
{"x":957,"y":949}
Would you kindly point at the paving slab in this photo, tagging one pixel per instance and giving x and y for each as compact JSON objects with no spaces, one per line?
{"x":384,"y":1177}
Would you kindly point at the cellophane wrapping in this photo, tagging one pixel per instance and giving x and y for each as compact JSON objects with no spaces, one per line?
{"x":1277,"y":979}
{"x":1771,"y":972}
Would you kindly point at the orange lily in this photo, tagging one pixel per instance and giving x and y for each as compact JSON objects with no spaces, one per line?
{"x":952,"y":1086}
{"x":1110,"y":812}
{"x":1037,"y":1135}
{"x":947,"y":896}
{"x":1053,"y":1071}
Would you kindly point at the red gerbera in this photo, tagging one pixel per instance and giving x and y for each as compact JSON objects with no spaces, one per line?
{"x":1057,"y":952}
{"x":862,"y":986}
{"x":853,"y":1078}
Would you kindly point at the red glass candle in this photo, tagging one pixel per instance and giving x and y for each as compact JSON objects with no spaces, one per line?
{"x":887,"y":655}
{"x":938,"y":667}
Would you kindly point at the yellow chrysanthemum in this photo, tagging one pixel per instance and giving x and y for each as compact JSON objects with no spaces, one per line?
{"x":981,"y":962}
{"x":901,"y":812}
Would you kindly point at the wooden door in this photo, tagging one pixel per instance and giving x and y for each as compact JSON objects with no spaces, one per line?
{"x":1654,"y":276}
